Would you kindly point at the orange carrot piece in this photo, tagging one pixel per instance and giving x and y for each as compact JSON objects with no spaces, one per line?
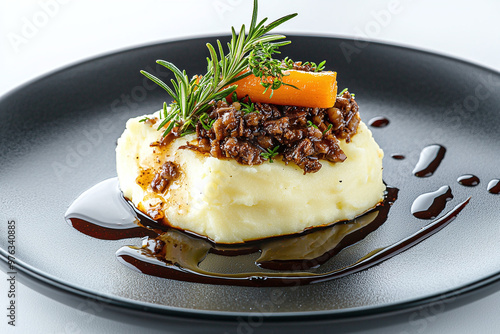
{"x":315,"y":89}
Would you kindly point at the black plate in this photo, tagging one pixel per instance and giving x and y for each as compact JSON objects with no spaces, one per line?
{"x":58,"y":135}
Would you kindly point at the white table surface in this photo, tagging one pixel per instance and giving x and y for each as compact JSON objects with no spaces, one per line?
{"x":40,"y":36}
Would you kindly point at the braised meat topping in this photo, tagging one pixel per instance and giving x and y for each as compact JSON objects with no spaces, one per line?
{"x":307,"y":66}
{"x":167,"y":172}
{"x":304,"y":135}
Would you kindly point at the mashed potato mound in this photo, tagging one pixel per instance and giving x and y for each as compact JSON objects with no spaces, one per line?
{"x":232,"y":203}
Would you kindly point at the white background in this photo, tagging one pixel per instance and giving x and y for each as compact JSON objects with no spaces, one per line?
{"x":37,"y":37}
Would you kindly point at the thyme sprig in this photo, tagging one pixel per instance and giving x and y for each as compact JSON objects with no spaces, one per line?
{"x":342,"y":92}
{"x":309,"y":124}
{"x":248,"y":107}
{"x":271,"y":153}
{"x":345,"y":90}
{"x":289,"y":64}
{"x":330,"y":126}
{"x":193,"y":97}
{"x":270,"y":71}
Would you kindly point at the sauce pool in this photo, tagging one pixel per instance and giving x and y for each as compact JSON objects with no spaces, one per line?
{"x":103,"y":213}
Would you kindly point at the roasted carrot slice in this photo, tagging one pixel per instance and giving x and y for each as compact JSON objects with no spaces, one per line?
{"x":315,"y":89}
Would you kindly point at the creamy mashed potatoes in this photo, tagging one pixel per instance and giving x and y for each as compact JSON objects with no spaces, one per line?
{"x":231,"y":203}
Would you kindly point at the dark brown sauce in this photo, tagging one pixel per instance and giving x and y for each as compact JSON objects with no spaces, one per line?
{"x":378,"y":122}
{"x":100,"y":232}
{"x":103,"y":213}
{"x":430,"y":205}
{"x":494,"y":186}
{"x":312,"y":247}
{"x":468,"y":180}
{"x":429,"y":160}
{"x":142,"y":260}
{"x":315,"y":248}
{"x":398,"y":156}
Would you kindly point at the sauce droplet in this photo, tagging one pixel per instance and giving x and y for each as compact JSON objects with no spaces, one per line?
{"x":468,"y":180}
{"x":430,"y":205}
{"x":378,"y":122}
{"x":429,"y":160}
{"x":398,"y":156}
{"x":494,"y":186}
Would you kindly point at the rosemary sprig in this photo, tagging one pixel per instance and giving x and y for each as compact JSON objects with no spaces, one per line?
{"x":207,"y":125}
{"x":193,"y":97}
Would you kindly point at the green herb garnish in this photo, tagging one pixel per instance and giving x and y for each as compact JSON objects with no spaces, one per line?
{"x":248,"y":107}
{"x":328,"y":128}
{"x":270,"y":154}
{"x":264,"y":66}
{"x":193,"y":97}
{"x":209,"y":122}
{"x":309,"y":124}
{"x":289,"y":63}
{"x":342,"y":92}
{"x":320,"y":67}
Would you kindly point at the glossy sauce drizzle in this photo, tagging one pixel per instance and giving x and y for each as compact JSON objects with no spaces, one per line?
{"x":141,"y":259}
{"x":494,"y":186}
{"x":430,"y":205}
{"x":429,"y":160}
{"x":468,"y":180}
{"x":378,"y":122}
{"x":103,"y":213}
{"x":398,"y":157}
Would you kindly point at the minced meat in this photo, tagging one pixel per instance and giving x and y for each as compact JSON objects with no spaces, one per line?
{"x":304,"y":136}
{"x":167,"y":172}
